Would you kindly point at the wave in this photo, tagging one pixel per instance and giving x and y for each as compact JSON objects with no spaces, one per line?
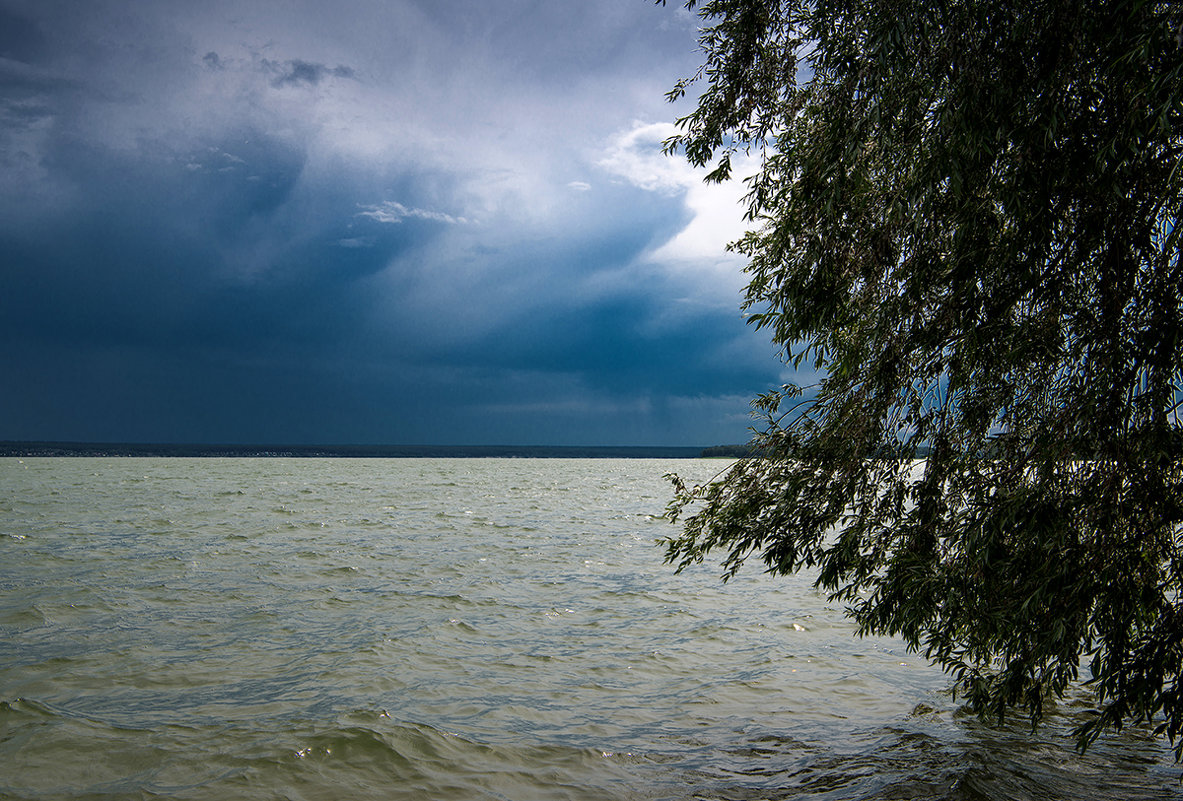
{"x":360,"y":755}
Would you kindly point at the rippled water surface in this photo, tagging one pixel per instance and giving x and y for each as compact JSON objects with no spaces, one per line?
{"x":455,"y":629}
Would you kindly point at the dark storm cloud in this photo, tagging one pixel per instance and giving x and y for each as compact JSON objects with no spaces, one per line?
{"x":21,"y":39}
{"x":298,"y":72}
{"x":219,"y":246}
{"x":389,"y":222}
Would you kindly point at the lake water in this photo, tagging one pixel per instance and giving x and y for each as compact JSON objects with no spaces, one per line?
{"x":456,"y":629}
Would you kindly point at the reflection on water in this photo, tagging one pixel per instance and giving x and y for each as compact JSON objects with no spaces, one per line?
{"x":455,"y":629}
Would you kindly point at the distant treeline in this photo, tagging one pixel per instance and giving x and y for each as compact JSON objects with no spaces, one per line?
{"x":350,"y":451}
{"x":726,"y":452}
{"x":745,"y":451}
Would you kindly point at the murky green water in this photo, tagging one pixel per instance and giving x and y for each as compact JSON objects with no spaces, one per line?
{"x":454,"y":629}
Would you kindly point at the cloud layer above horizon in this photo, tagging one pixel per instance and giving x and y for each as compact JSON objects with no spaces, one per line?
{"x":377,"y":221}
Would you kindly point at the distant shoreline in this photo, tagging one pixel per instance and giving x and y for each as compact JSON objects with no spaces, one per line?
{"x":67,"y":449}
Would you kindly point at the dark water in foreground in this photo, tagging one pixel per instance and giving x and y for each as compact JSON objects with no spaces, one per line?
{"x":455,"y":629}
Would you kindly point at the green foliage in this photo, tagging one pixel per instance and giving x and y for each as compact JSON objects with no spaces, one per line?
{"x":966,"y":216}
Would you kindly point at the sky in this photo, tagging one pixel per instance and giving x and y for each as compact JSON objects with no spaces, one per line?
{"x":363,"y":222}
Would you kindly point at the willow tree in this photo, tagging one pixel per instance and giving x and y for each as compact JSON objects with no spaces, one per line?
{"x":966,"y":220}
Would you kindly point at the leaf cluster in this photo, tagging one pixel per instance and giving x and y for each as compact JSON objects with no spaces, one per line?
{"x":967,"y":218}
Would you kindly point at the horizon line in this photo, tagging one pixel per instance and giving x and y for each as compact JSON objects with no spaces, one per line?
{"x":33,"y":448}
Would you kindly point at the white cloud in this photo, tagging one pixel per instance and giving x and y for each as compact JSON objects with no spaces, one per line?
{"x":699,"y":250}
{"x":392,"y":212}
{"x":636,"y":156}
{"x":579,"y":186}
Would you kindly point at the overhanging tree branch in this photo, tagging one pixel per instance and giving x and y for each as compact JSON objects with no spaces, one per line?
{"x":968,"y":222}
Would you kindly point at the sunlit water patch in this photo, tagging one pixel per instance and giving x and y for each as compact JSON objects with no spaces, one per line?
{"x":455,"y":629}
